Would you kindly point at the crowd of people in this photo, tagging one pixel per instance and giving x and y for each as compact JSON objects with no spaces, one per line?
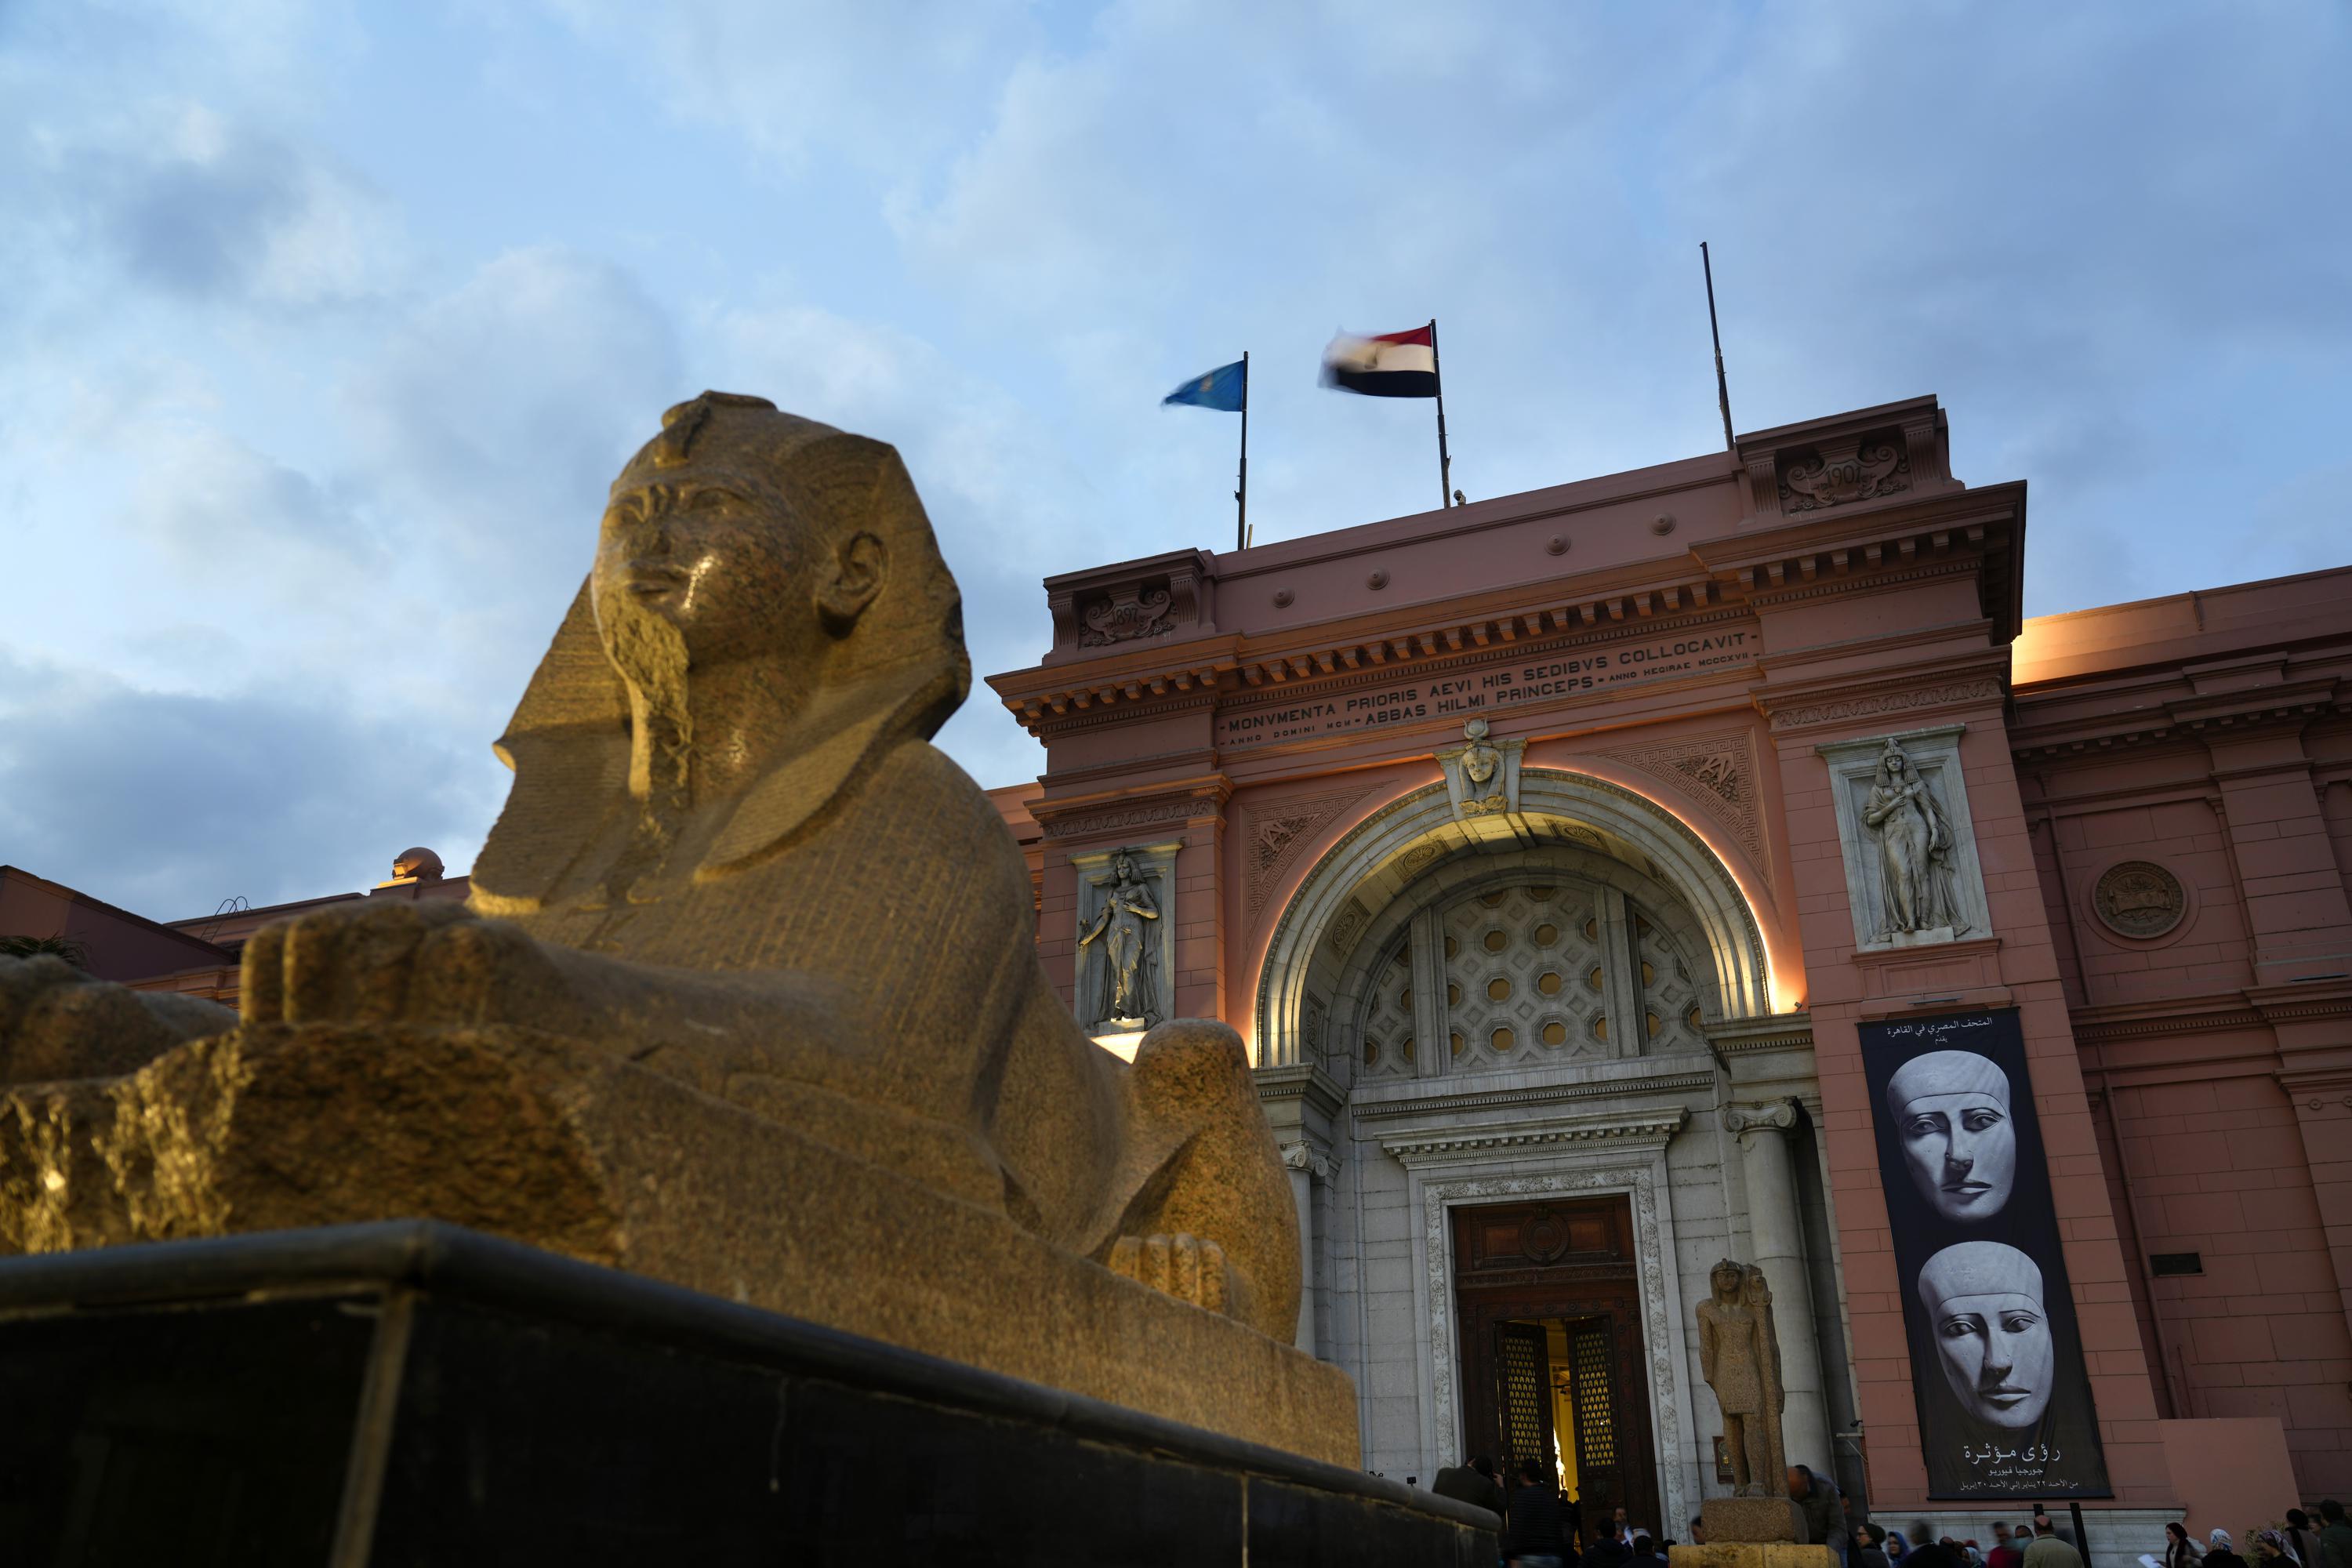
{"x":1544,"y":1529}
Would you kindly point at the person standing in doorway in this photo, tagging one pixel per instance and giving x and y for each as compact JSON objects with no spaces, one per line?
{"x":1535,"y":1538}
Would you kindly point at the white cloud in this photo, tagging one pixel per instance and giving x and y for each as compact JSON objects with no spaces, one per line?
{"x":168,"y":803}
{"x":881,"y":85}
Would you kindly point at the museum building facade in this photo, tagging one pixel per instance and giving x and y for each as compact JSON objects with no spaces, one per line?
{"x":1616,"y":878}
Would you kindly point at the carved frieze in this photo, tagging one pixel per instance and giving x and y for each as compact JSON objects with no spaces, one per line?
{"x":1717,"y":773}
{"x":1835,"y":473}
{"x":2139,"y":898}
{"x":1120,"y":817}
{"x":1275,"y":833}
{"x":1868,"y":704}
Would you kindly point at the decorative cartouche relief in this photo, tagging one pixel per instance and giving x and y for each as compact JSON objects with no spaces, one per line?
{"x":1909,"y":846}
{"x":1836,"y":472}
{"x":2139,"y":898}
{"x":1124,"y":615}
{"x":1481,"y":775}
{"x":1126,"y":937}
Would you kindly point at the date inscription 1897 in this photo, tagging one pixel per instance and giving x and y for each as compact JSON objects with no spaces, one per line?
{"x":1568,"y":674}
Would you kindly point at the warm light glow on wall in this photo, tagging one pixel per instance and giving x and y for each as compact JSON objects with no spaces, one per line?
{"x":1122,"y":1045}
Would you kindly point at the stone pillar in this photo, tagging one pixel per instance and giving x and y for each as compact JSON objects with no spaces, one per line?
{"x":1306,"y":1167}
{"x":1301,"y":1103}
{"x":1777,"y":1234}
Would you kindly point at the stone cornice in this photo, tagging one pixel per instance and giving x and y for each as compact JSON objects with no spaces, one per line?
{"x":2292,"y":702}
{"x":1773,"y":1032}
{"x":1300,"y":1080}
{"x":1096,"y":815}
{"x":1517,"y":1096}
{"x":2323,"y":998}
{"x":2097,"y":1026}
{"x":1839,"y":551}
{"x":1630,"y":1129}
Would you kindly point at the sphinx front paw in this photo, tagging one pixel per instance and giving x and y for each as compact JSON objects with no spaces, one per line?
{"x":1185,"y":1266}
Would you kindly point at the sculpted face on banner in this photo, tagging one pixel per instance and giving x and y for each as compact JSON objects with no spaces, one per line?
{"x":1951,"y":1112}
{"x":1991,"y":1331}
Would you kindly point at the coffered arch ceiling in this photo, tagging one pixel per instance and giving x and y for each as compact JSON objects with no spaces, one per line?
{"x":1602,"y":844}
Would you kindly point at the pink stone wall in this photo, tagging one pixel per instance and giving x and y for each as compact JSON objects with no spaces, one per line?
{"x":2194,"y":1087}
{"x":2203,"y":734}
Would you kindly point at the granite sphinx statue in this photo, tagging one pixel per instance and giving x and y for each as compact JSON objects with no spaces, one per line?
{"x":745,"y":995}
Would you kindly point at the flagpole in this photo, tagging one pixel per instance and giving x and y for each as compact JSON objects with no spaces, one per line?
{"x":1722,"y":387}
{"x":1444,"y":463}
{"x":1241,"y":495}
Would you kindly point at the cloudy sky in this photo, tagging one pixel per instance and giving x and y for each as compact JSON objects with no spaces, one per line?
{"x":325,"y":326}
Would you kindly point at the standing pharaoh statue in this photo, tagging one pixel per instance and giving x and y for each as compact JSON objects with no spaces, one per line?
{"x":1742,"y":1365}
{"x":1755,"y":1295}
{"x":1916,"y":847}
{"x":1133,"y":998}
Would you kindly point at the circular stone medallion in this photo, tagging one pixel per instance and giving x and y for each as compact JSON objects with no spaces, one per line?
{"x":2139,"y":897}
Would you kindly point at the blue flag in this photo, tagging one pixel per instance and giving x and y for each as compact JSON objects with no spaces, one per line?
{"x":1225,"y":387}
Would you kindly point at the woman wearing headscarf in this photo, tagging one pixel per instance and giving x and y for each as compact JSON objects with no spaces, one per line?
{"x":2220,"y":1554}
{"x":2271,"y":1550}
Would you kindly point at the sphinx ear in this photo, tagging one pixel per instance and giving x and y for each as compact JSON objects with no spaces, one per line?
{"x":859,"y":568}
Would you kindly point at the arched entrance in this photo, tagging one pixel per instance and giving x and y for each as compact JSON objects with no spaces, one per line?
{"x":1597,"y":826}
{"x":1513,"y":1007}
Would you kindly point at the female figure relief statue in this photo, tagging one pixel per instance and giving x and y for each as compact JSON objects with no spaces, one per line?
{"x":1131,"y":996}
{"x":1916,"y":847}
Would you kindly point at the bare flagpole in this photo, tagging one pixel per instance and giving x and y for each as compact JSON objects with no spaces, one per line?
{"x":1444,"y":463}
{"x":1722,"y":386}
{"x":1241,"y":495}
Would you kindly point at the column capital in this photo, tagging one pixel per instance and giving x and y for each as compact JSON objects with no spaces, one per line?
{"x":1310,"y":1157}
{"x":1764,"y":1115}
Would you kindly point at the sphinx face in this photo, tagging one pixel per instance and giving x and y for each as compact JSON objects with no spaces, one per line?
{"x":718,"y":559}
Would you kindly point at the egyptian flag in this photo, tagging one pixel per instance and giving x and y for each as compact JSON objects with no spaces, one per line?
{"x":1394,"y":365}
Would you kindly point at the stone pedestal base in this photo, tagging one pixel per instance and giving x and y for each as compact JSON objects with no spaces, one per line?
{"x":1752,"y":1519}
{"x":409,"y":1393}
{"x":1751,"y":1555}
{"x":566,"y":1147}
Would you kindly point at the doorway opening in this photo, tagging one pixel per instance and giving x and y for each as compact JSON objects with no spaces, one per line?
{"x":1560,"y":1404}
{"x":1547,"y":1304}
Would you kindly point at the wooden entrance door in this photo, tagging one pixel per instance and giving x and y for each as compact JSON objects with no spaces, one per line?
{"x":1518,"y":1266}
